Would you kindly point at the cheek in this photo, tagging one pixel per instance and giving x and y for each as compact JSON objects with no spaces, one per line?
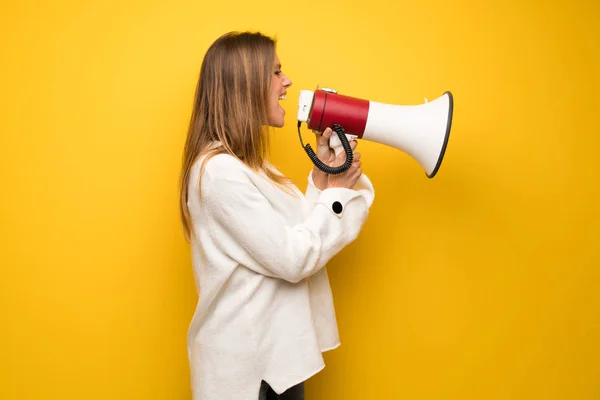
{"x":275,"y":97}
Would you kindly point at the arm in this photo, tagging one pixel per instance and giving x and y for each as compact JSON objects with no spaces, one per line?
{"x":317,"y":179}
{"x":252,"y":233}
{"x":317,"y":182}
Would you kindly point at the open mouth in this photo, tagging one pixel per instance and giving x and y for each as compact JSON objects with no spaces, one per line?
{"x":280,"y":98}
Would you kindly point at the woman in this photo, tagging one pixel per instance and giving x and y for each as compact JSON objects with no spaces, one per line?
{"x":259,"y":246}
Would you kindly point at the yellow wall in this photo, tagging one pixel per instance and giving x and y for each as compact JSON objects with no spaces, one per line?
{"x":482,"y":283}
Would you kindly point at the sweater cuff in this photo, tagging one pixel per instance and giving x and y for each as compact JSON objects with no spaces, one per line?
{"x":312,"y":191}
{"x":336,"y":199}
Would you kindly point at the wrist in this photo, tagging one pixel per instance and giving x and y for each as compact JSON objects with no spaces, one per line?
{"x":320,"y":178}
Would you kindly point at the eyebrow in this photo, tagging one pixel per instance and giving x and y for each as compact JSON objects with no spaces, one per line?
{"x":278,"y":66}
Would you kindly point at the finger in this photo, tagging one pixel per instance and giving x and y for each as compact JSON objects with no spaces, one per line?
{"x":318,"y":136}
{"x":323,"y":138}
{"x":353,"y":144}
{"x":341,"y":157}
{"x":356,"y":156}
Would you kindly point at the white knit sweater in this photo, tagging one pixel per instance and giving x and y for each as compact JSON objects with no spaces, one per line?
{"x":265,"y":309}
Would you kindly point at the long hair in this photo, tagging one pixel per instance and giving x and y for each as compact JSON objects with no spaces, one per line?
{"x":231,"y":107}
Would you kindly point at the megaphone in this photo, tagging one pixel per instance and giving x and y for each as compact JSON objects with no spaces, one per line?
{"x":421,"y":131}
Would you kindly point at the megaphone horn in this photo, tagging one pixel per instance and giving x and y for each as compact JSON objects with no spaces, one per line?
{"x":421,"y":131}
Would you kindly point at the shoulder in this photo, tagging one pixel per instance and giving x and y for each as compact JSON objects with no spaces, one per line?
{"x":217,"y":179}
{"x":223,"y":167}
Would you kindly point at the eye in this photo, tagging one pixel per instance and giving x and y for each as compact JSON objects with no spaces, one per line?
{"x":277,"y":73}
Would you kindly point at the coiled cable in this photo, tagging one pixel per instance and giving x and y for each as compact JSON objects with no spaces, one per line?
{"x":322,"y":166}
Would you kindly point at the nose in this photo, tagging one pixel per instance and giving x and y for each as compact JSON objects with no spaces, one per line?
{"x":286,"y":81}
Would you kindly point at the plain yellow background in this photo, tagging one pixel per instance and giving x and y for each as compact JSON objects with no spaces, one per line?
{"x":482,"y":283}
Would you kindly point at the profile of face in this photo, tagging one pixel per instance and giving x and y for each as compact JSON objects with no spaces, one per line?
{"x":279,"y":85}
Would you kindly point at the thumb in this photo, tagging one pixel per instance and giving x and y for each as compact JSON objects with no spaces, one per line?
{"x":324,"y":137}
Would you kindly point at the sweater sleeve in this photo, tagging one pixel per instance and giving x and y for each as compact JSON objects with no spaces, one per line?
{"x":247,"y":228}
{"x":312,"y":192}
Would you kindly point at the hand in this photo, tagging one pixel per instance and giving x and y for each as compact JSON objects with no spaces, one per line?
{"x":324,"y":152}
{"x":326,"y":155}
{"x":348,"y":178}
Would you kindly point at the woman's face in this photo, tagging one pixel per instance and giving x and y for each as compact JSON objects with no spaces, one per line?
{"x":279,"y":85}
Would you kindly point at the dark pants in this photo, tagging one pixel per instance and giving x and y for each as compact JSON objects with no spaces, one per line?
{"x":293,"y":393}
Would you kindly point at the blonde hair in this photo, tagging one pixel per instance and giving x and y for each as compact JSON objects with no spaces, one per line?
{"x":231,"y":107}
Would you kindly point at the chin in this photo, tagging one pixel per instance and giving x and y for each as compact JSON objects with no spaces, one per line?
{"x":277,"y":123}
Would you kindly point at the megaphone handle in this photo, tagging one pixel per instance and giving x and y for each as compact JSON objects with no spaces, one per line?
{"x":336,"y":144}
{"x":344,"y":146}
